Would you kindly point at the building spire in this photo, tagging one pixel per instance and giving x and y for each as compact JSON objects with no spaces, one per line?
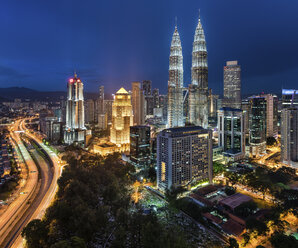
{"x":199,"y":14}
{"x":175,"y":21}
{"x":75,"y":74}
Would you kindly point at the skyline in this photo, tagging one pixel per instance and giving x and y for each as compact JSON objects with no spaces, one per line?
{"x":45,"y":51}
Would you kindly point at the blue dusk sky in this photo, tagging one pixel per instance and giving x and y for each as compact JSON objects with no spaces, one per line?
{"x":115,"y":42}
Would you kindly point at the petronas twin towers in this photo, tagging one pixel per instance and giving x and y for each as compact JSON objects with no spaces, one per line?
{"x":197,"y":91}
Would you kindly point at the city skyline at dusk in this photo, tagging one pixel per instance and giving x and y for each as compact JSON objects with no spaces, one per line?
{"x":45,"y":43}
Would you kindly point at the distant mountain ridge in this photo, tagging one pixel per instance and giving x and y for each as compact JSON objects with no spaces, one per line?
{"x":11,"y":93}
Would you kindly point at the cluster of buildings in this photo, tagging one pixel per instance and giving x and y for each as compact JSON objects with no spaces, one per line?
{"x":223,"y":213}
{"x":178,"y":133}
{"x":7,"y":155}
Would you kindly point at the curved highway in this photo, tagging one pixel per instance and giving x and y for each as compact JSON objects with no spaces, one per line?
{"x":39,"y":190}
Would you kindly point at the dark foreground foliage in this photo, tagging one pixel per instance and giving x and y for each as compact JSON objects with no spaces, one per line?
{"x":93,"y":209}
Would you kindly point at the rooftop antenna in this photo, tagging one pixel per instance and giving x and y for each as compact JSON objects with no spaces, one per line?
{"x":175,"y":21}
{"x":199,"y":14}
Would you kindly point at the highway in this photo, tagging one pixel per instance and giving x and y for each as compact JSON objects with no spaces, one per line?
{"x":39,"y":189}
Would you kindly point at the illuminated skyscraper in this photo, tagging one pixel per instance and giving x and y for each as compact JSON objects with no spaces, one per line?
{"x":122,"y":119}
{"x":231,"y":133}
{"x":175,"y":84}
{"x":184,"y":156}
{"x":232,"y":85}
{"x":75,"y":121}
{"x":198,"y":89}
{"x":289,"y":135}
{"x":138,"y":104}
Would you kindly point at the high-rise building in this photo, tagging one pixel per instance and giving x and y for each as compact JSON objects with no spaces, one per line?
{"x":163,"y":103}
{"x":103,"y":121}
{"x":149,"y":103}
{"x":198,"y":89}
{"x":100,"y":101}
{"x":231,"y":133}
{"x":232,"y":85}
{"x":122,"y":119}
{"x":246,"y":107}
{"x":147,"y":86}
{"x":289,"y":98}
{"x":155,"y":94}
{"x":75,"y":119}
{"x":140,"y":152}
{"x":271,"y":115}
{"x":175,"y":84}
{"x":289,"y":135}
{"x":107,"y":108}
{"x":89,"y":111}
{"x":257,"y":125}
{"x":138,"y":101}
{"x":184,"y":156}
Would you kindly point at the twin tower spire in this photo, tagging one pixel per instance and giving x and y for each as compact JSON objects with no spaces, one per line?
{"x":197,"y":91}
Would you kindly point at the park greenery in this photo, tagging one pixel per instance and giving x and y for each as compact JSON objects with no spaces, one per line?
{"x":93,"y":208}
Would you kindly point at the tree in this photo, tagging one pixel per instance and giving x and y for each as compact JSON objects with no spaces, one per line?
{"x":152,"y":174}
{"x":35,"y":233}
{"x":271,"y":141}
{"x":230,"y":190}
{"x":253,"y":224}
{"x":280,"y":240}
{"x":233,"y":243}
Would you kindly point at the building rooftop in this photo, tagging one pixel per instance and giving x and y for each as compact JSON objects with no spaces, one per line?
{"x":232,"y":227}
{"x":235,"y":200}
{"x":122,"y":91}
{"x":230,"y":109}
{"x":208,"y":189}
{"x":184,"y":129}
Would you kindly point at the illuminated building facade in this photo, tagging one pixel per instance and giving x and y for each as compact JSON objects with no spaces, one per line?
{"x":175,"y":84}
{"x":289,"y":98}
{"x":75,"y":119}
{"x":289,"y":135}
{"x":138,"y":104}
{"x":140,"y":151}
{"x":184,"y":156}
{"x":257,"y":125}
{"x":231,"y":133}
{"x":198,"y":89}
{"x":122,"y":119}
{"x":232,"y":85}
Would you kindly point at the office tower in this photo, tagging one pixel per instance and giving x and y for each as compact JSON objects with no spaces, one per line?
{"x":184,"y":156}
{"x":149,"y":105}
{"x":103,"y":121}
{"x":138,"y":101}
{"x":246,"y":107}
{"x":289,"y":135}
{"x":232,"y":85}
{"x":100,"y":101}
{"x":257,"y":125}
{"x":163,"y":103}
{"x":146,"y":86}
{"x":175,"y":84}
{"x":231,"y":133}
{"x":75,"y":119}
{"x":107,"y":109}
{"x":89,"y":111}
{"x":140,"y":152}
{"x":155,"y":98}
{"x":122,"y":119}
{"x":289,"y":98}
{"x":198,"y":89}
{"x":271,"y":115}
